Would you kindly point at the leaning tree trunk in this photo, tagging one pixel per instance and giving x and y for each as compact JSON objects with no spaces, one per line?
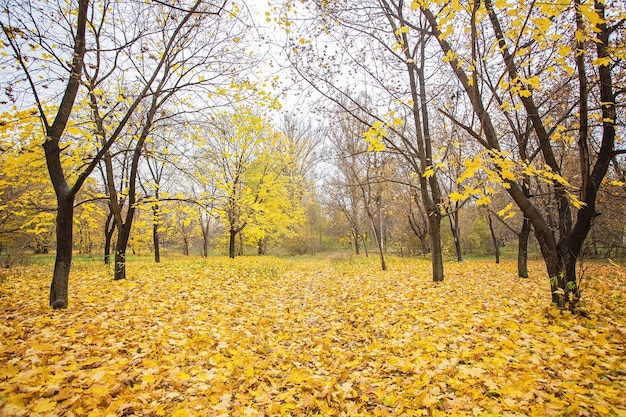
{"x":63,"y":260}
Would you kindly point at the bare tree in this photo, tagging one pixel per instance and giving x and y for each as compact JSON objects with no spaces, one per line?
{"x":374,"y":55}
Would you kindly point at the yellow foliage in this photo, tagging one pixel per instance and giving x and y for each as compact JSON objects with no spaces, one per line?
{"x":374,"y":136}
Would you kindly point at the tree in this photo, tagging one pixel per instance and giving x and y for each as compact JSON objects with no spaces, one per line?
{"x":250,"y":163}
{"x":346,"y":197}
{"x":362,"y":173}
{"x":188,"y":57}
{"x":26,"y":200}
{"x":306,"y":142}
{"x":519,"y":37}
{"x":382,"y":60}
{"x":22,"y":29}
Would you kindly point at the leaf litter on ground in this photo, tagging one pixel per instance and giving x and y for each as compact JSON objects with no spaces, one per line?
{"x":329,"y":337}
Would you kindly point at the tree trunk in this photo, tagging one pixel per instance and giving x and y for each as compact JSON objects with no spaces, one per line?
{"x":109,"y":228}
{"x":494,"y":238}
{"x":355,"y":236}
{"x":434,"y":232}
{"x":421,"y":235}
{"x":367,"y":254}
{"x":123,"y":236}
{"x":379,"y":245}
{"x":424,"y":243}
{"x":63,"y":260}
{"x":231,"y":243}
{"x":205,"y":241}
{"x":64,"y":194}
{"x":156,"y":243}
{"x":155,"y":230}
{"x":262,"y":246}
{"x":563,"y":280}
{"x":522,"y":249}
{"x":205,"y":236}
{"x":185,"y":245}
{"x":456,"y":235}
{"x":375,"y":231}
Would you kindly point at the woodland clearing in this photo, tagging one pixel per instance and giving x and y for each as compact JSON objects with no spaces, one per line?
{"x":265,"y":336}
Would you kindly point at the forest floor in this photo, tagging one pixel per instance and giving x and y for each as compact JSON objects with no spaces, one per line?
{"x":263,"y":336}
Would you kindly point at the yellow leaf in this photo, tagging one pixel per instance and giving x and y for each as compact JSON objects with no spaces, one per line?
{"x":455,"y":196}
{"x":44,"y":406}
{"x":183,"y":376}
{"x":502,"y":212}
{"x":601,"y":409}
{"x":181,"y":412}
{"x":483,"y":201}
{"x":533,"y":82}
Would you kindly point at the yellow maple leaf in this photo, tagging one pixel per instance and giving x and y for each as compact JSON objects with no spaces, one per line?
{"x":149,"y":378}
{"x":181,"y":412}
{"x":183,"y":376}
{"x":44,"y":406}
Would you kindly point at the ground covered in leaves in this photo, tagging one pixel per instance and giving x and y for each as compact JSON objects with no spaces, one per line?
{"x":335,"y":337}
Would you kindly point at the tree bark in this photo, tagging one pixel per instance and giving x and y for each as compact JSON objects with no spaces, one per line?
{"x":186,"y":245}
{"x":434,"y":232}
{"x":355,"y":237}
{"x":231,"y":243}
{"x":63,"y":261}
{"x":205,"y":236}
{"x":156,"y":243}
{"x":522,"y":248}
{"x":367,"y":254}
{"x":155,"y":228}
{"x":123,"y":235}
{"x":109,"y":228}
{"x":64,"y":194}
{"x":456,"y":234}
{"x":494,"y":238}
{"x":378,"y":238}
{"x":560,"y":251}
{"x":262,"y":246}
